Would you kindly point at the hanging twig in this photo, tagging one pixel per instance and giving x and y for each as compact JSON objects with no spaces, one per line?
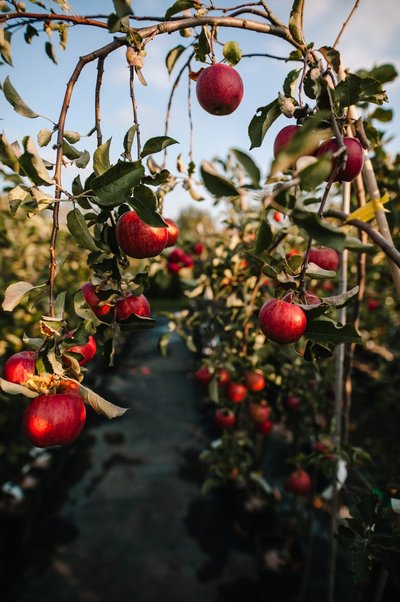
{"x":134,"y":108}
{"x":100,"y":71}
{"x":353,"y":10}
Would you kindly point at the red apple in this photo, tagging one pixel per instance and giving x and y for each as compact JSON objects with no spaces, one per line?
{"x":173,"y":232}
{"x":278,"y":216}
{"x":137,"y":239}
{"x":69,"y":387}
{"x":255,"y":381}
{"x":87,"y":350}
{"x":355,"y":157}
{"x":283,"y":137}
{"x":54,"y":419}
{"x":173,"y":267}
{"x":293,"y":402}
{"x":324,"y":257}
{"x":299,"y":482}
{"x":373,"y":304}
{"x":282,"y":322}
{"x":259,"y":412}
{"x":133,"y":304}
{"x":219,"y":89}
{"x":224,"y":418}
{"x":203,"y":376}
{"x":20,"y":367}
{"x":235,"y":392}
{"x":198,"y":248}
{"x":98,"y":307}
{"x":264,"y":427}
{"x":223,"y":377}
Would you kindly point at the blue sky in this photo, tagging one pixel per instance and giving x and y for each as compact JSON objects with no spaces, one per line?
{"x":371,"y":38}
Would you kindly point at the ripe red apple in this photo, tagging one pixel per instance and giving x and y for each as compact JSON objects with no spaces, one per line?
{"x":173,"y":232}
{"x":133,"y":304}
{"x":69,"y":387}
{"x":255,"y":381}
{"x":355,"y":157}
{"x":219,"y":89}
{"x":20,"y":367}
{"x":299,"y":482}
{"x":198,"y":248}
{"x":224,"y":418}
{"x":293,"y":402}
{"x":173,"y":267}
{"x":203,"y":376}
{"x":54,"y":419}
{"x":94,"y":301}
{"x":137,"y":239}
{"x":282,"y":322}
{"x":324,"y":257}
{"x":373,"y":304}
{"x":223,"y":377}
{"x":178,"y":259}
{"x":259,"y":412}
{"x":283,"y":137}
{"x":235,"y":392}
{"x":87,"y":350}
{"x":278,"y":216}
{"x":264,"y":427}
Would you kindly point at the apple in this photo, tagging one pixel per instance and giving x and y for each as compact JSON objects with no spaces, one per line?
{"x":282,"y":322}
{"x":133,"y":304}
{"x":259,"y":412}
{"x":138,"y":239}
{"x":299,"y":482}
{"x":98,"y":307}
{"x":172,"y":231}
{"x":178,"y":259}
{"x":224,"y":418}
{"x":293,"y":402}
{"x":70,"y":387}
{"x":223,"y":377}
{"x":373,"y":304}
{"x":198,"y":248}
{"x":219,"y":89}
{"x":173,"y":267}
{"x":324,"y":257}
{"x":355,"y":157}
{"x":55,"y":419}
{"x":283,"y":137}
{"x":236,"y":392}
{"x":255,"y":381}
{"x":203,"y":376}
{"x":264,"y":427}
{"x":278,"y":216}
{"x":87,"y":350}
{"x":20,"y":367}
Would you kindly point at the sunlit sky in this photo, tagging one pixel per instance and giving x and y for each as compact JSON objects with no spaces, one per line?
{"x":371,"y":38}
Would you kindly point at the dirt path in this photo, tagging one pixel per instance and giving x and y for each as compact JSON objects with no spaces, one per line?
{"x":134,"y":527}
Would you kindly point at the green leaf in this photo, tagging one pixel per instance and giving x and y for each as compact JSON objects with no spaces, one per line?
{"x":354,"y":244}
{"x":383,"y":115}
{"x":173,"y":56}
{"x":215,"y":182}
{"x":232,"y":53}
{"x":5,"y":46}
{"x":251,"y":168}
{"x":33,"y":165}
{"x":17,"y":293}
{"x":71,"y":136}
{"x":383,"y":73}
{"x":49,"y":49}
{"x":296,"y":21}
{"x":318,"y":229}
{"x":128,"y":141}
{"x":7,"y":154}
{"x":332,"y":56}
{"x":70,"y":151}
{"x":44,"y":137}
{"x":101,"y":158}
{"x":202,"y":47}
{"x":325,"y":330}
{"x":289,"y":85}
{"x":316,"y":173}
{"x":179,"y":6}
{"x":157,"y":144}
{"x":371,"y":91}
{"x":30,"y":33}
{"x":347,"y":92}
{"x":101,"y":405}
{"x":123,"y":7}
{"x":263,"y":239}
{"x":145,"y":204}
{"x":114,"y":186}
{"x":14,"y":389}
{"x":16,"y":101}
{"x":314,"y":352}
{"x":260,"y":123}
{"x":78,"y":228}
{"x":83,"y":159}
{"x":158,"y":178}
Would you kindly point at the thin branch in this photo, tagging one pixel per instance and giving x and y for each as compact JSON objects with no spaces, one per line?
{"x":353,"y":10}
{"x":375,"y":236}
{"x":270,"y":16}
{"x":76,"y":20}
{"x":268,"y":56}
{"x":134,"y":108}
{"x":99,"y":79}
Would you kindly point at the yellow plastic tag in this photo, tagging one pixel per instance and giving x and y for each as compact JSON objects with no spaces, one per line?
{"x":366,"y":213}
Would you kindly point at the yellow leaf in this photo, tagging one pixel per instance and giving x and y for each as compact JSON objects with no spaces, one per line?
{"x":366,"y":213}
